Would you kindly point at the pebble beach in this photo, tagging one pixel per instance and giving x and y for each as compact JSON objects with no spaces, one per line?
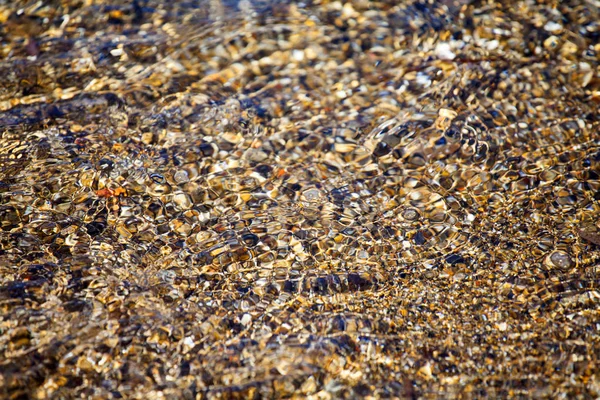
{"x":219,"y":199}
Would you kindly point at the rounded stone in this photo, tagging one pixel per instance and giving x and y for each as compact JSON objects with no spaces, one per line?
{"x":410,"y":214}
{"x":181,"y":176}
{"x":182,"y":201}
{"x":561,"y":260}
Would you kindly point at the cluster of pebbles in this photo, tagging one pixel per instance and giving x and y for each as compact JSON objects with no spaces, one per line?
{"x":253,"y":199}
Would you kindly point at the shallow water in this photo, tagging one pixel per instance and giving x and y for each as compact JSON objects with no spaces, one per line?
{"x":258,"y":199}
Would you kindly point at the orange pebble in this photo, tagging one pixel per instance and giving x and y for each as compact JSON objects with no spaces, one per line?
{"x":104,"y":193}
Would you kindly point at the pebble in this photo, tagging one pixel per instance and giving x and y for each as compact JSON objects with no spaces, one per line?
{"x":553,"y":27}
{"x":181,"y":176}
{"x":444,"y":51}
{"x":246,"y":319}
{"x":182,"y":201}
{"x":561,"y":260}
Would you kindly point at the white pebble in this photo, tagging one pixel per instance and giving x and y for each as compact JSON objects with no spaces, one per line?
{"x":189,"y":342}
{"x":246,"y":319}
{"x":423,"y":79}
{"x":553,"y":27}
{"x":298,"y":55}
{"x":492,"y":45}
{"x":444,"y":52}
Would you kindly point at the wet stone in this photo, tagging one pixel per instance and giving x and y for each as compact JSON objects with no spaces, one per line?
{"x":410,"y":214}
{"x":181,"y":177}
{"x":561,"y":260}
{"x":250,"y":239}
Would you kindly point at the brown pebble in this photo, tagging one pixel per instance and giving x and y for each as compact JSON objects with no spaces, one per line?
{"x":591,"y":237}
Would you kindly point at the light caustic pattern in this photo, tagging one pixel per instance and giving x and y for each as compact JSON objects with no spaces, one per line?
{"x":338,"y":200}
